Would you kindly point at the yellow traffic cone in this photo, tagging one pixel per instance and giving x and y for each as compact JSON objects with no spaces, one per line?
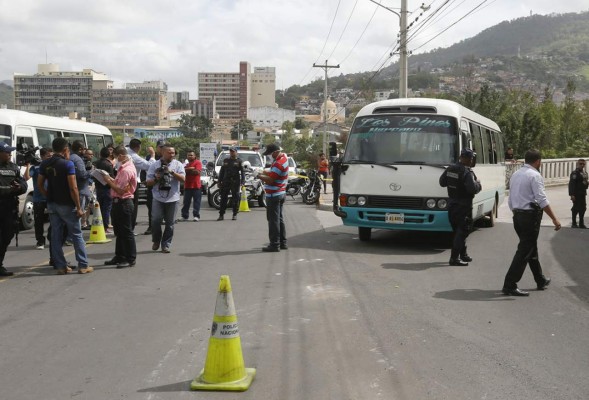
{"x":97,"y":234}
{"x":243,"y":205}
{"x":224,"y":368}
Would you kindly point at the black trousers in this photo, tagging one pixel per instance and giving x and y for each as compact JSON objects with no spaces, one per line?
{"x":527,"y":227}
{"x":39,"y":214}
{"x":235,"y":196}
{"x":458,"y":214}
{"x":6,"y":231}
{"x":122,"y":213}
{"x":135,"y":207}
{"x":149,"y":201}
{"x":579,"y":205}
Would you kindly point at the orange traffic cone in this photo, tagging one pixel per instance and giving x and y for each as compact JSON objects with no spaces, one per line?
{"x":97,"y":234}
{"x":224,"y":368}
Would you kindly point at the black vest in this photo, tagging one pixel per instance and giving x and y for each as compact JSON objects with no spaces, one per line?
{"x":455,"y":177}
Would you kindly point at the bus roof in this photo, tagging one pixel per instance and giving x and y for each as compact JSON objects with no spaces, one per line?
{"x":443,"y":107}
{"x":23,"y":118}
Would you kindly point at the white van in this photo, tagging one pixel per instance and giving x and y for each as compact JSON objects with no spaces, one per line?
{"x":254,"y":158}
{"x":18,"y":128}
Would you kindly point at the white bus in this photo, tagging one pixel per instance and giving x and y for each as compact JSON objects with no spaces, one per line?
{"x":19,"y":128}
{"x":394,"y":156}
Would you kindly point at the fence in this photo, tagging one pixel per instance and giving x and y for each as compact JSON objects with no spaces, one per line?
{"x":556,"y":171}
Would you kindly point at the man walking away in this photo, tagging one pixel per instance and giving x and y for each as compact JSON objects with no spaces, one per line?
{"x":462,"y":186}
{"x":63,"y":203}
{"x":275,"y":187}
{"x":164,"y":176}
{"x":12,"y":185}
{"x":578,"y":194}
{"x":527,"y":201}
{"x":192,"y":187}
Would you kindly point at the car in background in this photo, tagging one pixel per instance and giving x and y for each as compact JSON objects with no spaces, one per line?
{"x":206,"y":177}
{"x":254,"y":158}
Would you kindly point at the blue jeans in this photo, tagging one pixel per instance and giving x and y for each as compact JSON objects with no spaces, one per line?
{"x":193,"y":196}
{"x":62,"y":216}
{"x":275,"y":216}
{"x":163,"y":212}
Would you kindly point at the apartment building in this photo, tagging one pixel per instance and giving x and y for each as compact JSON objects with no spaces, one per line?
{"x":58,"y":93}
{"x":123,"y":108}
{"x":236,"y":92}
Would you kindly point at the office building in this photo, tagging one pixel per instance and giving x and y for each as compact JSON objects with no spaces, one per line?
{"x":122,"y":108}
{"x":263,"y":87}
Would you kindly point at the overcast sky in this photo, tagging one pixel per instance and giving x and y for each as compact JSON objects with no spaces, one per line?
{"x":137,"y":40}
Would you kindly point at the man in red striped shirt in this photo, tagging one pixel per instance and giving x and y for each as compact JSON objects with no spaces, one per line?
{"x":275,"y":187}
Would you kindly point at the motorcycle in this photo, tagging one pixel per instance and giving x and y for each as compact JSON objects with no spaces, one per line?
{"x":254,"y":189}
{"x":313,"y":190}
{"x":296,"y":185}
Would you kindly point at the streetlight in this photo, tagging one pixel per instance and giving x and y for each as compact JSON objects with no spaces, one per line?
{"x":402,"y":46}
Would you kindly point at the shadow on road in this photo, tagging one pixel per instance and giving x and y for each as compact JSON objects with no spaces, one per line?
{"x":570,"y":249}
{"x":172,"y":387}
{"x":473,"y":295}
{"x":416,"y":266}
{"x":223,"y":253}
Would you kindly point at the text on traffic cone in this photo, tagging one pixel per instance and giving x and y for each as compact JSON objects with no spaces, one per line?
{"x":224,"y":367}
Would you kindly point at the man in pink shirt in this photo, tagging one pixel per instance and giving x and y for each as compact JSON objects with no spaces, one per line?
{"x":122,"y":189}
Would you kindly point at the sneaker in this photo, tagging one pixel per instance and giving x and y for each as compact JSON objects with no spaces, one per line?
{"x":86,"y":270}
{"x":63,"y":271}
{"x":107,"y":231}
{"x":5,"y":272}
{"x":196,"y":219}
{"x":183,"y":219}
{"x":40,"y":246}
{"x":165,"y":250}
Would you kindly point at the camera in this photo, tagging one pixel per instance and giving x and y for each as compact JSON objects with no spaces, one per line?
{"x":26,"y":156}
{"x":165,"y":181}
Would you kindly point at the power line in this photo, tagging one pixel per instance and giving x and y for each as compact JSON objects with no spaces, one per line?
{"x":344,"y":30}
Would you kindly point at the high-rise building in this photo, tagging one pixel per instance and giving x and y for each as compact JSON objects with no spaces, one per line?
{"x":160,"y":85}
{"x":236,"y":92}
{"x":57,"y":93}
{"x":263,"y":88}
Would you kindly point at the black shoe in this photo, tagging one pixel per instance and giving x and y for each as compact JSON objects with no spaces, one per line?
{"x":515,"y":292}
{"x":113,"y":261}
{"x":5,"y":272}
{"x":234,"y":218}
{"x":125,"y":264}
{"x":546,"y":283}
{"x":283,"y":246}
{"x":458,"y":262}
{"x":147,"y":232}
{"x":582,"y":226}
{"x":221,"y":218}
{"x":466,"y":258}
{"x":574,"y":225}
{"x":271,"y":249}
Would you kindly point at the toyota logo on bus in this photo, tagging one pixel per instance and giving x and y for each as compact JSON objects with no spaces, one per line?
{"x":395,"y":187}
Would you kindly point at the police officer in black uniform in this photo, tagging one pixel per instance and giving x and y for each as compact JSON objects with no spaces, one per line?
{"x":578,"y":193}
{"x":11,"y":186}
{"x":231,"y":177}
{"x":462,"y":185}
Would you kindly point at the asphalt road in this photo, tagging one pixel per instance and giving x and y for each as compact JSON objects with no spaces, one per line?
{"x":329,"y":318}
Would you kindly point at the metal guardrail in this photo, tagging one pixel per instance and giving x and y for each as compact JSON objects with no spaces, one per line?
{"x":556,"y":171}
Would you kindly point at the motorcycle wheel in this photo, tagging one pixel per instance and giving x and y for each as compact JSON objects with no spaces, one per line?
{"x":262,"y":200}
{"x":293,"y":190}
{"x":311,"y":198}
{"x":215,"y":199}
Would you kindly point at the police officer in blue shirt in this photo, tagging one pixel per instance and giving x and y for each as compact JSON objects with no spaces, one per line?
{"x":462,"y":185}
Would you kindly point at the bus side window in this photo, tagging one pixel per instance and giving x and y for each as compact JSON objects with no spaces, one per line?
{"x":477,"y":144}
{"x":45,"y":137}
{"x":486,"y":135}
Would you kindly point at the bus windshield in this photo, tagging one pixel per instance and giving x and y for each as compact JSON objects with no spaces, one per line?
{"x":403,"y":139}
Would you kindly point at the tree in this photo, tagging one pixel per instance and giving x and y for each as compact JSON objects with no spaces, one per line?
{"x":241,"y":128}
{"x":194,"y":126}
{"x":300,"y":123}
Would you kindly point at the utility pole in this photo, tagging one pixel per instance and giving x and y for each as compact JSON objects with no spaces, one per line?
{"x":325,"y":67}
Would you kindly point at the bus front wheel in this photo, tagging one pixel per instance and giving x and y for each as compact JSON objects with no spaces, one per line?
{"x":364,"y":233}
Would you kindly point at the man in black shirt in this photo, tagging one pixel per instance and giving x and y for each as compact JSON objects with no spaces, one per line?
{"x":231,"y":177}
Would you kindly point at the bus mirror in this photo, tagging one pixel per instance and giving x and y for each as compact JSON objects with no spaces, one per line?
{"x":474,"y":160}
{"x":332,"y":149}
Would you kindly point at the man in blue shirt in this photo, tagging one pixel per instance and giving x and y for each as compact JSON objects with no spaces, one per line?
{"x":63,"y":203}
{"x":164,"y":177}
{"x":527,"y":201}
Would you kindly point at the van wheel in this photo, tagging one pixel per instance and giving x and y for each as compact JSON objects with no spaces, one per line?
{"x":27,"y":217}
{"x":364,"y":233}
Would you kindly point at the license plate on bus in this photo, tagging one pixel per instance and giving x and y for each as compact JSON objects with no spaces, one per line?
{"x":392,"y":218}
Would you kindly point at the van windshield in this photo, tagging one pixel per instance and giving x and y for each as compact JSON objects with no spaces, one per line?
{"x":254,"y":159}
{"x":402,"y":139}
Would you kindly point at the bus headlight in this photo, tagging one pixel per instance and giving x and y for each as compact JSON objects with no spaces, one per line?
{"x":352,"y":200}
{"x":361,"y":200}
{"x":430,"y":203}
{"x":442,"y":203}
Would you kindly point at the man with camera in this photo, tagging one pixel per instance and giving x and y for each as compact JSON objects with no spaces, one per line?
{"x":11,"y":186}
{"x":164,"y":177}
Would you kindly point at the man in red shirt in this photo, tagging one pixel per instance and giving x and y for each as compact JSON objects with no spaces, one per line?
{"x":192,"y":187}
{"x":122,"y":191}
{"x":275,"y":187}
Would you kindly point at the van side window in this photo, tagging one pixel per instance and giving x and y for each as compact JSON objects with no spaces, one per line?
{"x":45,"y":137}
